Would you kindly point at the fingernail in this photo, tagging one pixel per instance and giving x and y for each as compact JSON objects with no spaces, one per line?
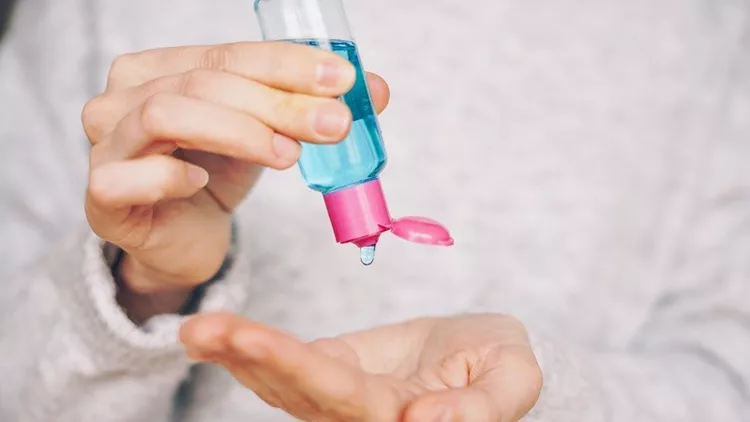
{"x":197,"y":176}
{"x":334,"y":73}
{"x":285,"y":147}
{"x":330,"y":122}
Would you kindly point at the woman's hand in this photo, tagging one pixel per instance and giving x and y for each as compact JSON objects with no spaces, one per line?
{"x":180,"y":136}
{"x":473,"y":368}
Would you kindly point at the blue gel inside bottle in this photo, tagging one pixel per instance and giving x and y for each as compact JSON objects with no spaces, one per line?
{"x":361,"y":156}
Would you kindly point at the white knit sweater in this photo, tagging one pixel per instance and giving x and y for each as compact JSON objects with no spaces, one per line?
{"x":591,"y":158}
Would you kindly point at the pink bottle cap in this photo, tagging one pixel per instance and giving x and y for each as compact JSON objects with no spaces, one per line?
{"x":359,"y":215}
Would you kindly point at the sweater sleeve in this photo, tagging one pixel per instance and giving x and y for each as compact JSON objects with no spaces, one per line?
{"x":690,"y":360}
{"x":690,"y":369}
{"x":71,"y":354}
{"x":686,"y":379}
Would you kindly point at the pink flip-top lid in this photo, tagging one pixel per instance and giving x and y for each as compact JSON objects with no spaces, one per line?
{"x":359,"y":215}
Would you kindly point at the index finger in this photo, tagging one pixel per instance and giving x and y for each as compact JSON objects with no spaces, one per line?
{"x":283,"y":65}
{"x":314,"y":384}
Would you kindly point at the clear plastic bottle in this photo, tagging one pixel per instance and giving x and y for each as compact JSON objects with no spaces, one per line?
{"x":345,"y":173}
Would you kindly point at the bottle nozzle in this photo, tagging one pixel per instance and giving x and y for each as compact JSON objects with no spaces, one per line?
{"x":359,"y":215}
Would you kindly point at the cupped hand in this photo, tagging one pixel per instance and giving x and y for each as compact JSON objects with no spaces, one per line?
{"x":472,"y":368}
{"x":179,"y":138}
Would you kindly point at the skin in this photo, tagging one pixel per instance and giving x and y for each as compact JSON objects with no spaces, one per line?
{"x":469,"y":368}
{"x":179,"y":138}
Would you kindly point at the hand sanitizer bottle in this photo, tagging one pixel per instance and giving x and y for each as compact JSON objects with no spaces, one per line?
{"x":345,"y":173}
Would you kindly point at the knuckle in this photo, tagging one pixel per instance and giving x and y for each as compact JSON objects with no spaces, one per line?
{"x":92,"y":119}
{"x":95,"y":156}
{"x":123,"y":69}
{"x":274,"y":55}
{"x":170,"y":83}
{"x":193,"y":82}
{"x":154,"y":112}
{"x":99,"y":190}
{"x":219,"y":57}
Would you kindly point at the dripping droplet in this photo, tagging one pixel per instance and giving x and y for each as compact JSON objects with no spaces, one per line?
{"x":367,"y":255}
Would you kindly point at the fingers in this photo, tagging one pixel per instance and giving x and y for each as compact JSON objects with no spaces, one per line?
{"x":144,"y":181}
{"x":503,"y":388}
{"x":284,"y":86}
{"x":195,"y":125}
{"x":298,"y":116}
{"x":285,"y":372}
{"x":379,"y":91}
{"x":116,"y":187}
{"x":287,"y":66}
{"x":337,"y":349}
{"x":231,"y":338}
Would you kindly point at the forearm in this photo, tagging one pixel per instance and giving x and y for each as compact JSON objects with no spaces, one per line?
{"x":71,"y":353}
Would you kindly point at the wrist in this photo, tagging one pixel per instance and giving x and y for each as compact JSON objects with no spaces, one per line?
{"x":143,"y":292}
{"x":145,"y":301}
{"x":141,"y":279}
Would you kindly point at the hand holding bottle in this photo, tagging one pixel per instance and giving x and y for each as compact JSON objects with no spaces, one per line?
{"x":180,"y":136}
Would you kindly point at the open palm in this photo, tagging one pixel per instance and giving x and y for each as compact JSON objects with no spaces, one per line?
{"x":468,"y":368}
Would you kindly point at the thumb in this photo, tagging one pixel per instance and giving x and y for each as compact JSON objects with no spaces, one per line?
{"x":503,"y":387}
